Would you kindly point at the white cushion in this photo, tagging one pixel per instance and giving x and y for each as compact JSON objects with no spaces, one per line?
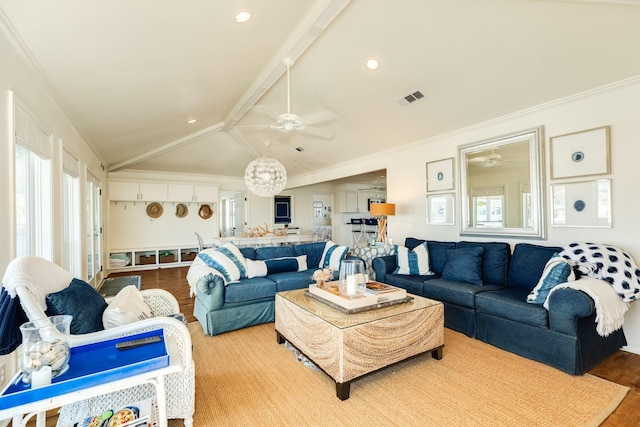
{"x":128,"y":306}
{"x":226,"y":260}
{"x":414,"y":262}
{"x":256,"y":268}
{"x":332,"y":256}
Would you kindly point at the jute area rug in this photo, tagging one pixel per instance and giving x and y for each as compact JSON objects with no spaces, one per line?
{"x":244,"y":378}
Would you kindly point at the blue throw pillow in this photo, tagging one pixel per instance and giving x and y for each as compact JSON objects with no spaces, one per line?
{"x":464,"y":265}
{"x":81,"y":301}
{"x":414,"y":262}
{"x":556,"y":271}
{"x":282,"y":265}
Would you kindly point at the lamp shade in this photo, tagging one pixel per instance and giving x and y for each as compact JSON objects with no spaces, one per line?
{"x":383,"y":209}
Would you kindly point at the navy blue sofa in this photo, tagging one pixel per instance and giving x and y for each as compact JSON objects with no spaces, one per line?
{"x":497,"y":313}
{"x":249,"y":302}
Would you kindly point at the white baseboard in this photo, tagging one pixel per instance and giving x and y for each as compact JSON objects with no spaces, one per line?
{"x":631,"y":349}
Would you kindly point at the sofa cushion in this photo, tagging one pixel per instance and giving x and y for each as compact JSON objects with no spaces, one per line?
{"x":292,"y":280}
{"x":412,"y":284}
{"x":270,"y":252}
{"x":313,"y":251}
{"x":454,"y":292}
{"x":81,"y":301}
{"x":249,"y":290}
{"x":495,"y":260}
{"x":438,"y":255}
{"x":414,"y":261}
{"x":464,"y":264}
{"x":510,"y":303}
{"x":282,"y":265}
{"x":556,"y":271}
{"x":226,"y":260}
{"x":527,"y":264}
{"x":332,"y":256}
{"x":249,"y":252}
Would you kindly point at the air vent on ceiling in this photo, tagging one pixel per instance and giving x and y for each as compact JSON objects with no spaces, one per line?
{"x":411,"y":98}
{"x":299,"y":149}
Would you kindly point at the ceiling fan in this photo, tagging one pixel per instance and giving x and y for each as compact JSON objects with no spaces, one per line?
{"x":487,"y":161}
{"x":289,"y":122}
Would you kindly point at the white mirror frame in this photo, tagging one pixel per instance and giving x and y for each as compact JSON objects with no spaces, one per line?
{"x":535,"y":137}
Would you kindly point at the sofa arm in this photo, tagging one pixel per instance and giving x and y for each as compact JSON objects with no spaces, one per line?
{"x":566,"y":307}
{"x":383,"y":265}
{"x":210,"y":288}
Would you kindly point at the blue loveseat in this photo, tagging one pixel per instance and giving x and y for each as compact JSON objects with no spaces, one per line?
{"x":250,"y":301}
{"x":493,"y":309}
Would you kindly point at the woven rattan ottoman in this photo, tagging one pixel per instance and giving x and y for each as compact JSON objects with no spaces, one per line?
{"x":348,"y":346}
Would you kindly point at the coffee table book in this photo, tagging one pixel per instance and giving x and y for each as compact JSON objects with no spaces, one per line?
{"x":361,"y":302}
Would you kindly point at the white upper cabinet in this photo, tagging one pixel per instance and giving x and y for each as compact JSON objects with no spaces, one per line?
{"x":137,"y":191}
{"x":128,"y":191}
{"x":181,"y":192}
{"x":193,"y":193}
{"x":206,"y":193}
{"x":153,"y":192}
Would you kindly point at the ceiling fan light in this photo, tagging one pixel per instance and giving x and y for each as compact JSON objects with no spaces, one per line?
{"x":265,"y":177}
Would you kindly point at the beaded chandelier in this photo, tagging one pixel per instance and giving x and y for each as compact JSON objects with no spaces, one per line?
{"x":265,"y":177}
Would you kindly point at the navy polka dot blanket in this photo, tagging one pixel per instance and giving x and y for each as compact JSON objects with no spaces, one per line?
{"x":607,"y":263}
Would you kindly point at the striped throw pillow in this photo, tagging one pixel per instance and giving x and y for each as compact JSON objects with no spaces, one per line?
{"x":414,"y":262}
{"x":227,"y":260}
{"x":332,"y":256}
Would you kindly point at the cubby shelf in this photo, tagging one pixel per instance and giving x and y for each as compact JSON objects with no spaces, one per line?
{"x":150,"y":258}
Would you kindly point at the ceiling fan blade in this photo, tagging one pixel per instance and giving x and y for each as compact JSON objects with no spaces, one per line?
{"x":319,"y":117}
{"x":317,"y":132}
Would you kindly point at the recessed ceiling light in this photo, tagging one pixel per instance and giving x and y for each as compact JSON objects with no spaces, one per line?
{"x":373,"y":64}
{"x":191,"y":121}
{"x":242,"y":16}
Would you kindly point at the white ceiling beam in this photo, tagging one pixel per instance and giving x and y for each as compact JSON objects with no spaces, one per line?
{"x":305,"y":34}
{"x":167,"y":147}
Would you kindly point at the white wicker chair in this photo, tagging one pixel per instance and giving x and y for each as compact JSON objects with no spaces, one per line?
{"x":33,"y":278}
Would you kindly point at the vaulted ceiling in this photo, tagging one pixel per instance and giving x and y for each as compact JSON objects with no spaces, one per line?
{"x":130,"y":74}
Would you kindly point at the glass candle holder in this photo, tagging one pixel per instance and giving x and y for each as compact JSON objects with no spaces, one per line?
{"x":45,"y":347}
{"x":352,"y":279}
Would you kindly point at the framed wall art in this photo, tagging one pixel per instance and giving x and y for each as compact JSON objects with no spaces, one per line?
{"x":440,"y":209}
{"x":582,"y":204}
{"x":440,"y":175}
{"x":581,"y":153}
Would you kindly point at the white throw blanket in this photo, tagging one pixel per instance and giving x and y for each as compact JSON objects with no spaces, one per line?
{"x":40,"y":276}
{"x":610,"y":309}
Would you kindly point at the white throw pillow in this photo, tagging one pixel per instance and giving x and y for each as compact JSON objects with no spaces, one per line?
{"x":256,"y":268}
{"x":332,"y":256}
{"x":126,"y":307}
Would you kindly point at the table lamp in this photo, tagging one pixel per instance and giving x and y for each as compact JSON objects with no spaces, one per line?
{"x":382,"y":211}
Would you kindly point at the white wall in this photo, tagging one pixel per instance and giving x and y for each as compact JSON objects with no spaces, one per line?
{"x":17,"y":77}
{"x":616,"y":105}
